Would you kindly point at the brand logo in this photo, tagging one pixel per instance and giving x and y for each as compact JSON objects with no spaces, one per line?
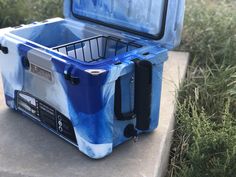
{"x":41,"y":72}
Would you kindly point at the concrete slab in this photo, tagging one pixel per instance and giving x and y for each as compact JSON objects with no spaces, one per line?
{"x":28,"y":150}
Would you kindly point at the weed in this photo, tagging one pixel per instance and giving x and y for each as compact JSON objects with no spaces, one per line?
{"x":204,"y":143}
{"x":16,"y":12}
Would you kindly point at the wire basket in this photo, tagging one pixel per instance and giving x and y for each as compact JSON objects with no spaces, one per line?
{"x":97,"y":48}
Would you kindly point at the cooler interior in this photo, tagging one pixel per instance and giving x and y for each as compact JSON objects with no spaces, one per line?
{"x":79,"y":42}
{"x":97,"y":48}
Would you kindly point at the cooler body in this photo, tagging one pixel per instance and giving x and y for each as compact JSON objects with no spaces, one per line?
{"x":86,"y":92}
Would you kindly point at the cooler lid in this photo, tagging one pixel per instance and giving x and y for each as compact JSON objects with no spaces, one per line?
{"x":147,"y":18}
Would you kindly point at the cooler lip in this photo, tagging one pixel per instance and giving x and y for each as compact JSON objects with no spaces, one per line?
{"x":158,"y":36}
{"x":98,"y":64}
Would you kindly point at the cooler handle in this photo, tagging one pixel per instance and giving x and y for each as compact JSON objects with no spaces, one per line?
{"x":142,"y":98}
{"x":118,"y":104}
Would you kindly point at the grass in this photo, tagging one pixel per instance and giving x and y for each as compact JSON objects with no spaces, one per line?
{"x":204,"y":144}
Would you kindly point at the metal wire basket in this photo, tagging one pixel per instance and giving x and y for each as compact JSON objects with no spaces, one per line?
{"x":97,"y":48}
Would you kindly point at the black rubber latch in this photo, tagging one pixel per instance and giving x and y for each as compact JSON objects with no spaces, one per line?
{"x":130,"y":131}
{"x":25,"y":63}
{"x":68,"y":75}
{"x":74,"y":80}
{"x":67,"y":72}
{"x":4,"y":49}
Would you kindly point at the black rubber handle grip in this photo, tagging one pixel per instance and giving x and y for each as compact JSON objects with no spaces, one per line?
{"x":143,"y":93}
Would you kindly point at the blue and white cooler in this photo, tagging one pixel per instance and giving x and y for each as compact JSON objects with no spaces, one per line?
{"x":95,"y":77}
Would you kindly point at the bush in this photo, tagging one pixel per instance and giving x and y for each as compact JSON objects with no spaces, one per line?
{"x":16,"y":12}
{"x":204,"y":143}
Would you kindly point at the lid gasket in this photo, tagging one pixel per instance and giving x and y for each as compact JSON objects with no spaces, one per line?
{"x":157,"y":36}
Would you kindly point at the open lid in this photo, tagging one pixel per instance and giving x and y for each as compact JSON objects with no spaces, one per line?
{"x":160,"y":20}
